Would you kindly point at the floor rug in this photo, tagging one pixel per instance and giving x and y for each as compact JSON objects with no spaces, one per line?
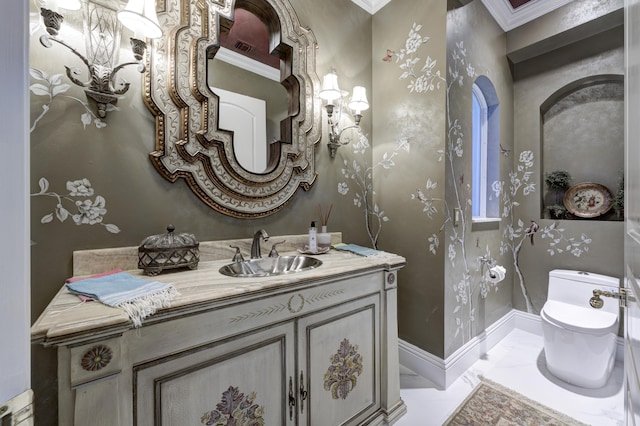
{"x":491,"y":404}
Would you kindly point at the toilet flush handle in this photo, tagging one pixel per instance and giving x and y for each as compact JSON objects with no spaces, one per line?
{"x":597,"y":303}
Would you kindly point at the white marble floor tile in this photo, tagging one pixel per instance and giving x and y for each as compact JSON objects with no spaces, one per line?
{"x":517,"y":362}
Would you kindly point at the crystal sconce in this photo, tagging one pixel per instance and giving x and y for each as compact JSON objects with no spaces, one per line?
{"x":102,"y":30}
{"x":330,"y":92}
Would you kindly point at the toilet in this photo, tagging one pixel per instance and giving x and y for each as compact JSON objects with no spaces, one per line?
{"x":580,"y":341}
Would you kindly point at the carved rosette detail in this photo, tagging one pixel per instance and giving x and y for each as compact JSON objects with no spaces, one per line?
{"x":342,"y":376}
{"x":391,"y":279}
{"x":235,"y":409}
{"x":96,"y":358}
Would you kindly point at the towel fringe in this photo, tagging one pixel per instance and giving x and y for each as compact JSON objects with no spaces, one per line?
{"x":141,"y":307}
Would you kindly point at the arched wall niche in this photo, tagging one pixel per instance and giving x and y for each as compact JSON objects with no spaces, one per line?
{"x":582,"y":133}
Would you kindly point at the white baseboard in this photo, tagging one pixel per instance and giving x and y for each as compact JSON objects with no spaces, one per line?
{"x":443,"y":372}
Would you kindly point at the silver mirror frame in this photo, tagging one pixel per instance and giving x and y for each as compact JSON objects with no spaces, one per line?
{"x":188,"y":143}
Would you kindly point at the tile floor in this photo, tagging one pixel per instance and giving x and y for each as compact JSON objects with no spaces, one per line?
{"x":518,"y":363}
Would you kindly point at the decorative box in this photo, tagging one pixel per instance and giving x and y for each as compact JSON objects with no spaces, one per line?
{"x":168,"y":251}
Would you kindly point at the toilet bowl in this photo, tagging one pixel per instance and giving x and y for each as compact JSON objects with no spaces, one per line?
{"x":580,"y":341}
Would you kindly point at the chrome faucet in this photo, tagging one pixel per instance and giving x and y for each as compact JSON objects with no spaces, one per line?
{"x":255,"y":246}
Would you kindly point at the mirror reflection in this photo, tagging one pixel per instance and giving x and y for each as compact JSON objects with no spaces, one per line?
{"x":252,"y":103}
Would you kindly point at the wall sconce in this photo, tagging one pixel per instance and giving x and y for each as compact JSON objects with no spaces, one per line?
{"x":102,"y":30}
{"x":330,"y":92}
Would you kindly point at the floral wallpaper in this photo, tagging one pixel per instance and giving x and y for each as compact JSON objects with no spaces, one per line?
{"x":51,"y":87}
{"x":465,"y":284}
{"x":359,"y":176}
{"x":76,"y":204}
{"x":46,"y":88}
{"x":515,"y":233}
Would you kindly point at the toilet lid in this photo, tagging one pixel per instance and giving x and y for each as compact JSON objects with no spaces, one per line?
{"x":577,"y":318}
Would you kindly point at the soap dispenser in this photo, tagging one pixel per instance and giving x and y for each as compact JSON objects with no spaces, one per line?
{"x":313,"y":243}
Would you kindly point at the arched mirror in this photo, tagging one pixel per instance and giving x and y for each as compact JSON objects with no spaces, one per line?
{"x":243,"y":142}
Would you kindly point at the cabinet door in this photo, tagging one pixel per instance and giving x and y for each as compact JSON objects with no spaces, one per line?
{"x":238,"y":381}
{"x":339,"y":363}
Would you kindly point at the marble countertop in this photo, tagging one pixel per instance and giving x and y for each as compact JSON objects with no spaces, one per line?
{"x":201,"y":289}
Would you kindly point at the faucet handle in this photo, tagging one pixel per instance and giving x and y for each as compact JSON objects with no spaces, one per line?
{"x":238,"y":256}
{"x":274,"y":252}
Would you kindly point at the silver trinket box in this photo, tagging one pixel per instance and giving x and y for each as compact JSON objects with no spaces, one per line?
{"x":168,"y":251}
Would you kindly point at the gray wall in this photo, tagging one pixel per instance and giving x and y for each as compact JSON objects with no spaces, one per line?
{"x":473,"y":304}
{"x":139,"y":201}
{"x":409,"y":129}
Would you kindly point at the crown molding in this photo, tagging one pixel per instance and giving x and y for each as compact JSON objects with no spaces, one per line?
{"x":505,"y":15}
{"x":248,"y":64}
{"x":509,"y":18}
{"x":371,"y":6}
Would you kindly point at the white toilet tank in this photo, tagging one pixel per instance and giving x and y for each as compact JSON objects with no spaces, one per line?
{"x":576,"y":288}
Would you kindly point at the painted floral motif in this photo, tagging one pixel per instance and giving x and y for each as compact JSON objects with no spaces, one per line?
{"x":88,"y":212}
{"x":426,"y":79}
{"x":362,"y":178}
{"x":51,"y":86}
{"x":96,"y":358}
{"x":454,"y":149}
{"x":463,"y":288}
{"x":517,"y":232}
{"x":485,"y":284}
{"x":422,"y":79}
{"x":342,"y":375}
{"x":235,"y":409}
{"x":514,"y":233}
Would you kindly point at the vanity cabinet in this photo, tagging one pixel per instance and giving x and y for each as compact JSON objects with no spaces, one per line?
{"x":315,"y":352}
{"x":329,"y":380}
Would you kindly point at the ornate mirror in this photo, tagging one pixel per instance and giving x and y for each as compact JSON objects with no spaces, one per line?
{"x":190,"y":142}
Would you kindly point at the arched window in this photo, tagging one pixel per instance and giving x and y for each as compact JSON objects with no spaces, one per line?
{"x":486,"y":150}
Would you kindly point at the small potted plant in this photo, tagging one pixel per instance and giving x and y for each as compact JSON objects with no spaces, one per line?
{"x":557,"y":181}
{"x":556,"y":211}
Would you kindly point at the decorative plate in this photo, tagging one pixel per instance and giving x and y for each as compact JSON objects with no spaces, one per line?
{"x":588,"y":199}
